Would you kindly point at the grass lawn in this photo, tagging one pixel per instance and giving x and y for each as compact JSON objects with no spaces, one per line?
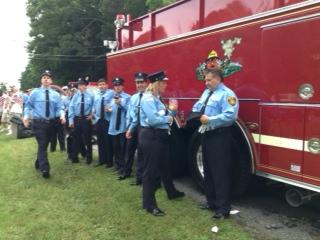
{"x":82,"y":202}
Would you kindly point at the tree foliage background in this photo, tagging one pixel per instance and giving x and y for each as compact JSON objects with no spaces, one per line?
{"x":67,"y":36}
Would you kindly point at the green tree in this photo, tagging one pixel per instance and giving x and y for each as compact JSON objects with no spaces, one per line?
{"x":155,"y":4}
{"x":67,"y":36}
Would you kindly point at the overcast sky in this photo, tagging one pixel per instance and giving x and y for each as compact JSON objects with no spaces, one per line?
{"x":14,"y":27}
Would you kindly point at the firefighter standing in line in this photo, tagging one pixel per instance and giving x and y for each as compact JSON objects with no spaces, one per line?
{"x":44,"y":104}
{"x":102,"y":119}
{"x":80,"y":116}
{"x":58,"y":134}
{"x":117,"y":128}
{"x":154,"y":141}
{"x":133,"y":115}
{"x":72,"y":89}
{"x":219,"y":108}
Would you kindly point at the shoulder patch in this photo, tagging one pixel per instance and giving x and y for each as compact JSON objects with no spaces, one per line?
{"x":232,"y":100}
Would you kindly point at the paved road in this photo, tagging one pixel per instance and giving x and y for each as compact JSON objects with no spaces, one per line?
{"x":265,"y":213}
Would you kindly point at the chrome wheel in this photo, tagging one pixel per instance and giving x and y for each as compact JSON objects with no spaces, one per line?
{"x":200,"y":162}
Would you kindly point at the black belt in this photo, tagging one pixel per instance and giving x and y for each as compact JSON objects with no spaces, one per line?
{"x":217,"y":130}
{"x":155,"y":129}
{"x":81,"y":117}
{"x":43,"y":120}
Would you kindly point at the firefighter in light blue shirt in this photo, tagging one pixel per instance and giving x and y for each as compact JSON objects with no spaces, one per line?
{"x":133,"y":126}
{"x":80,"y":116}
{"x":153,"y":138}
{"x":218,"y":107}
{"x":43,"y":106}
{"x":117,"y":127}
{"x":102,"y":101}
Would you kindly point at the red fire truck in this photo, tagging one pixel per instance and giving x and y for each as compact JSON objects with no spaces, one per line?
{"x":276,"y":46}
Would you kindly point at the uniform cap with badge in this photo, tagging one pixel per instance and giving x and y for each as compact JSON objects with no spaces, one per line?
{"x":157,"y":76}
{"x":117,"y":81}
{"x":47,"y":73}
{"x":82,"y":81}
{"x":140,"y":77}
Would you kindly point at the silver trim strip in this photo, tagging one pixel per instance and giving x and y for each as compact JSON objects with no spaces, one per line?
{"x":299,"y":19}
{"x":221,"y":25}
{"x":317,"y":105}
{"x":249,"y":99}
{"x":191,"y":98}
{"x":182,"y":98}
{"x":289,"y":181}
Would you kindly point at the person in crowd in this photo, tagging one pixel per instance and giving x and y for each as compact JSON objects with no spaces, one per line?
{"x":133,"y":115}
{"x":155,"y":121}
{"x":80,"y":117}
{"x":43,"y":106}
{"x":117,"y":126}
{"x":218,"y":107}
{"x":58,"y":134}
{"x":102,"y":119}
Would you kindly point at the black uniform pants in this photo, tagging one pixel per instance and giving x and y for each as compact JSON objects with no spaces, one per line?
{"x":70,"y":140}
{"x":43,"y":130}
{"x":82,"y":132}
{"x":132,"y":146}
{"x":217,"y":158}
{"x":58,"y":135}
{"x":155,"y":147}
{"x":118,"y":150}
{"x":103,"y":138}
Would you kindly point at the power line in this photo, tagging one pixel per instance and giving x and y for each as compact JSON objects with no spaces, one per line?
{"x":64,"y":55}
{"x":66,"y":59}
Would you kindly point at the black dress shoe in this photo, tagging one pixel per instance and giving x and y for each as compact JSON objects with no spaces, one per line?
{"x":156,"y":212}
{"x":45,"y":174}
{"x":75,"y":160}
{"x":220,"y":216}
{"x":88,"y":161}
{"x":109,"y":165}
{"x":123,"y":177}
{"x":176,"y":195}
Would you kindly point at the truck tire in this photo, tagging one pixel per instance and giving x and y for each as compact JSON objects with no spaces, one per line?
{"x":241,"y":173}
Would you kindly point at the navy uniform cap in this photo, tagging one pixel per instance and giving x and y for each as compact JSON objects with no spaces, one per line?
{"x":47,"y":73}
{"x":140,"y":76}
{"x":117,"y":81}
{"x":157,"y":76}
{"x":82,"y":81}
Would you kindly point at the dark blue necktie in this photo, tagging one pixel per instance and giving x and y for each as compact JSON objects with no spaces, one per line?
{"x":102,"y":108}
{"x":47,"y":104}
{"x":82,"y":105}
{"x":206,"y":102}
{"x":138,"y":113}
